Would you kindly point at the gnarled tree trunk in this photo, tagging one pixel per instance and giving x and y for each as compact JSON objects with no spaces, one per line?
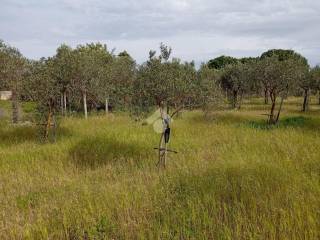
{"x":273,"y":106}
{"x":280,"y":108}
{"x":271,"y":117}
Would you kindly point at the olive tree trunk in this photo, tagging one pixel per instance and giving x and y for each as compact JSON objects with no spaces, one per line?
{"x":273,"y":106}
{"x":305,"y":105}
{"x":234,"y":98}
{"x":240,"y":100}
{"x":280,"y":108}
{"x":15,"y":106}
{"x":271,"y":117}
{"x":266,"y":98}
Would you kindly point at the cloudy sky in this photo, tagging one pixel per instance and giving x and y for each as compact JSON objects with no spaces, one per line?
{"x":196,"y":29}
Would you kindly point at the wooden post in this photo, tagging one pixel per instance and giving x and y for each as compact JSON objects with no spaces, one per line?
{"x":85,"y":105}
{"x":65,"y":102}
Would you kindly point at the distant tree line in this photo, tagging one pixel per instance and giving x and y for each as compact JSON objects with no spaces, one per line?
{"x":274,"y":75}
{"x":91,"y":77}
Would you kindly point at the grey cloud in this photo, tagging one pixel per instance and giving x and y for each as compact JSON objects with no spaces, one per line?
{"x":263,"y":24}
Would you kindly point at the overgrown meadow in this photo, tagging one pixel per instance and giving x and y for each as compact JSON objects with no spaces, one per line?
{"x":233,"y":177}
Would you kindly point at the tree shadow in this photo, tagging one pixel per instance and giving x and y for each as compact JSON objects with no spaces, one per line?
{"x":286,"y":122}
{"x":255,"y":121}
{"x":14,"y":135}
{"x":99,"y":151}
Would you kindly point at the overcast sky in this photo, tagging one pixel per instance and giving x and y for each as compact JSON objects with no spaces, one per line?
{"x":196,"y":29}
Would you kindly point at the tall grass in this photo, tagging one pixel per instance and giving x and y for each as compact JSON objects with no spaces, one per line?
{"x":232,"y":179}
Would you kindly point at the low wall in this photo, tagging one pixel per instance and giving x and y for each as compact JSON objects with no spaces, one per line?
{"x":5,"y":95}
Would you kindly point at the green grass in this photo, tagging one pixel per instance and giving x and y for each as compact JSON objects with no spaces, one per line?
{"x":233,"y":178}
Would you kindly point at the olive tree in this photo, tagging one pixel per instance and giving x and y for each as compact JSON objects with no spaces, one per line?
{"x":163,"y":81}
{"x":63,"y":70}
{"x":306,"y":84}
{"x":315,"y":76}
{"x":120,"y":75}
{"x":209,"y":94}
{"x":90,"y":62}
{"x":47,"y":92}
{"x":283,"y":55}
{"x":279,"y":77}
{"x":221,"y":62}
{"x":235,"y":79}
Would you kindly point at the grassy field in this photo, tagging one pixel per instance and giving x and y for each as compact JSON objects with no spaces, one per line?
{"x":233,"y":178}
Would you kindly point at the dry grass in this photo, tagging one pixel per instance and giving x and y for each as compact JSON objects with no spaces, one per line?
{"x":232,"y":179}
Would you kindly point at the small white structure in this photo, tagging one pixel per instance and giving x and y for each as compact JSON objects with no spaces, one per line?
{"x":5,"y":95}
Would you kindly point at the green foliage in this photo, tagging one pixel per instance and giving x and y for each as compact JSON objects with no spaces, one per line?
{"x":121,"y":79}
{"x":315,"y":76}
{"x":236,"y":79}
{"x":160,"y":80}
{"x":91,"y":61}
{"x":46,"y":94}
{"x":124,"y":54}
{"x":279,"y":77}
{"x":284,"y":55}
{"x":89,"y":75}
{"x":221,"y":62}
{"x":208,"y":95}
{"x":64,"y":69}
{"x":12,"y":70}
{"x":250,"y":60}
